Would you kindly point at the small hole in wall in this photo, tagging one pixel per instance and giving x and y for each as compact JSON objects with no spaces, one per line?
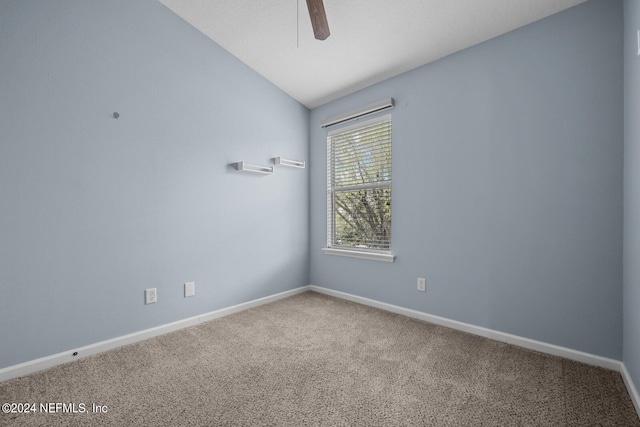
{"x":75,"y":353}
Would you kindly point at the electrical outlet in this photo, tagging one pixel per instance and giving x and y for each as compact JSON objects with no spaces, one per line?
{"x":189,"y":289}
{"x":150,"y":296}
{"x":422,"y":284}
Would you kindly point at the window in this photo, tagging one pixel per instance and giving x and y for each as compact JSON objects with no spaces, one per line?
{"x":359,"y":190}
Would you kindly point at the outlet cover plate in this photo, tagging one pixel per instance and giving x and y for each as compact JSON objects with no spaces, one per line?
{"x":150,"y":296}
{"x":422,"y":284}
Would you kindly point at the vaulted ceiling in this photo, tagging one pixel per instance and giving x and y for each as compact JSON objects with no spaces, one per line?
{"x":371,"y":40}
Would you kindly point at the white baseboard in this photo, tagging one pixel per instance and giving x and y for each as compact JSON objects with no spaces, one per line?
{"x":567,"y":353}
{"x":633,"y":391}
{"x":540,"y":346}
{"x":68,"y":356}
{"x":99,"y":347}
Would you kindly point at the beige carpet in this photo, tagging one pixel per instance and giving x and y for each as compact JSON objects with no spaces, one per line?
{"x":313,"y":360}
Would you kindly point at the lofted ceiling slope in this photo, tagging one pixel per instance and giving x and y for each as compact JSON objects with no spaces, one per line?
{"x":371,"y":40}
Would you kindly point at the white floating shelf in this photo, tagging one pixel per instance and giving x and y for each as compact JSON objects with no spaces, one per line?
{"x":291,"y":163}
{"x":246,"y":167}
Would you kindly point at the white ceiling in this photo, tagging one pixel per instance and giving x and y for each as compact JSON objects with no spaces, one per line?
{"x":371,"y":40}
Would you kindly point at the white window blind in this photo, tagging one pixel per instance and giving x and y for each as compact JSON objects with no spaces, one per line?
{"x":359,"y":186}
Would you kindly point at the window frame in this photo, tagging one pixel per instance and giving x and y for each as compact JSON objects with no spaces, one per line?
{"x":355,"y":252}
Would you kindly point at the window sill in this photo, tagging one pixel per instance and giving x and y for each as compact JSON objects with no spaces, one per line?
{"x":374,"y":256}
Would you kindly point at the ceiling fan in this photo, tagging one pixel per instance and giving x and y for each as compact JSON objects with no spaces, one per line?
{"x":318,"y":19}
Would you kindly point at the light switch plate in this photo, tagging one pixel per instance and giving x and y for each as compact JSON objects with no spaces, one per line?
{"x":189,"y":289}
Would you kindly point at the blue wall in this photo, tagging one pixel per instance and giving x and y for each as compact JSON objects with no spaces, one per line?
{"x":631,"y":316}
{"x":93,"y":210}
{"x":507,"y":184}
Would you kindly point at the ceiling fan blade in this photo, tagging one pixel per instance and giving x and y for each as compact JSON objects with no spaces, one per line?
{"x":318,"y":19}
